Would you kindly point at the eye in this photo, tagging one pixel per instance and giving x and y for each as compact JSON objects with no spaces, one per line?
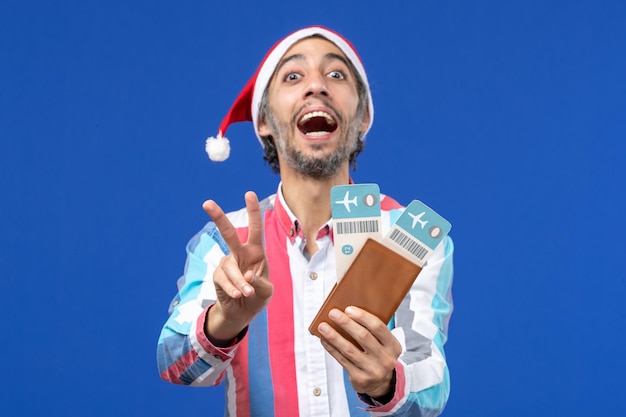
{"x":292,"y":76}
{"x":337,"y":75}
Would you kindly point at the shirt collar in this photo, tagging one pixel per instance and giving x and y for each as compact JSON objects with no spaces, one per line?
{"x":290,"y":224}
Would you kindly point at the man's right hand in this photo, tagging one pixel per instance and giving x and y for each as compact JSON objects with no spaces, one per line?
{"x":242,"y":277}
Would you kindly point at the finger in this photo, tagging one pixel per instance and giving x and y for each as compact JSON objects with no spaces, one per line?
{"x":225,"y":277}
{"x":362,"y":369}
{"x":339,"y":347}
{"x":255,"y":220}
{"x":235,"y":277}
{"x":376,"y":327}
{"x":336,"y":353}
{"x":342,"y":327}
{"x":224,"y":285}
{"x":360,"y":333}
{"x":226,"y":228}
{"x":263,"y":288}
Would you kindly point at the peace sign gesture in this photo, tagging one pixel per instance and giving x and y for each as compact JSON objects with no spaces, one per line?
{"x":242,"y":277}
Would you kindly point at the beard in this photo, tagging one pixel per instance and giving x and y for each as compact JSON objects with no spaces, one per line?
{"x":317,"y":167}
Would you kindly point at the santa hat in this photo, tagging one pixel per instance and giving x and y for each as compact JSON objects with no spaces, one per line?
{"x":246,"y":106}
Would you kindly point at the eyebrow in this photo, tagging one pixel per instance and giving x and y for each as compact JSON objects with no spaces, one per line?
{"x":295,"y":57}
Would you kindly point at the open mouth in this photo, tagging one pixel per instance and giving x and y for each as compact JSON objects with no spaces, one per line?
{"x":317,"y":123}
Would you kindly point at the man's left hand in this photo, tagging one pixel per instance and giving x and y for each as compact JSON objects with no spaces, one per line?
{"x":370,"y":370}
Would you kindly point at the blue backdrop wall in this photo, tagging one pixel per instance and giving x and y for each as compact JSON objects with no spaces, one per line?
{"x":514,"y":112}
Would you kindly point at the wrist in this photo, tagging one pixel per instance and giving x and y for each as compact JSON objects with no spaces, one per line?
{"x":388,"y":396}
{"x":221,"y":331}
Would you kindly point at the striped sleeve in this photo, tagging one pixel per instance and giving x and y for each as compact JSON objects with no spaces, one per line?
{"x":421,"y":326}
{"x":184,"y":354}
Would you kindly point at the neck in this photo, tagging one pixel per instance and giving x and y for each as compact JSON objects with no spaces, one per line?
{"x":309,"y":199}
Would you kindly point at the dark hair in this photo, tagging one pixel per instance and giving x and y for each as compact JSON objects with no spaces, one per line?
{"x":270,"y":151}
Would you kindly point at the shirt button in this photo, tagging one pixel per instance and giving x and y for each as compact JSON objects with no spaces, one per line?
{"x":313,"y":276}
{"x":317,"y":392}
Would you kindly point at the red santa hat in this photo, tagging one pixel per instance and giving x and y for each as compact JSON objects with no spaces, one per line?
{"x":246,"y":106}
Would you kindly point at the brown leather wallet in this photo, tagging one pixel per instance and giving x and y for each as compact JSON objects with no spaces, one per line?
{"x":376,"y":281}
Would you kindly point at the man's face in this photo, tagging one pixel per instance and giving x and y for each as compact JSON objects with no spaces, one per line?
{"x":313,"y":103}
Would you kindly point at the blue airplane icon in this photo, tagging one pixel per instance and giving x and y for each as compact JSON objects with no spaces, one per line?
{"x":346,"y":201}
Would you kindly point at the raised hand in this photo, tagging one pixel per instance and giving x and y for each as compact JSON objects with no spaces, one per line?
{"x":242,"y":277}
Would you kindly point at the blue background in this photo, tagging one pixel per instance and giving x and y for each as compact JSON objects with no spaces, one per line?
{"x":507,"y":118}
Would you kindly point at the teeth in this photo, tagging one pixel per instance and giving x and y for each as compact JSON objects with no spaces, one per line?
{"x":317,"y":113}
{"x":316,"y":134}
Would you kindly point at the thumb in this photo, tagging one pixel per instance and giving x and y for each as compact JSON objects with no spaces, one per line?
{"x":263,"y":287}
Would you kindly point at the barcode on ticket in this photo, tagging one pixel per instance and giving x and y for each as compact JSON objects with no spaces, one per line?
{"x":356,"y":226}
{"x":408,"y":243}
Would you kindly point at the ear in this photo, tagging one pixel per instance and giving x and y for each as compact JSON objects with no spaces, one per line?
{"x":263,"y":129}
{"x":366,"y":121}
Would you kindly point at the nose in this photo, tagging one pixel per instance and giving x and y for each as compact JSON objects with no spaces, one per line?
{"x":316,"y":86}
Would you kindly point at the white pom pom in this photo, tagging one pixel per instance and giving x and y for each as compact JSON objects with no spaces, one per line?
{"x":218,"y":148}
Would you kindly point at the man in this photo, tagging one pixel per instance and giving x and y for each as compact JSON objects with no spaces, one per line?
{"x":255,"y":278}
